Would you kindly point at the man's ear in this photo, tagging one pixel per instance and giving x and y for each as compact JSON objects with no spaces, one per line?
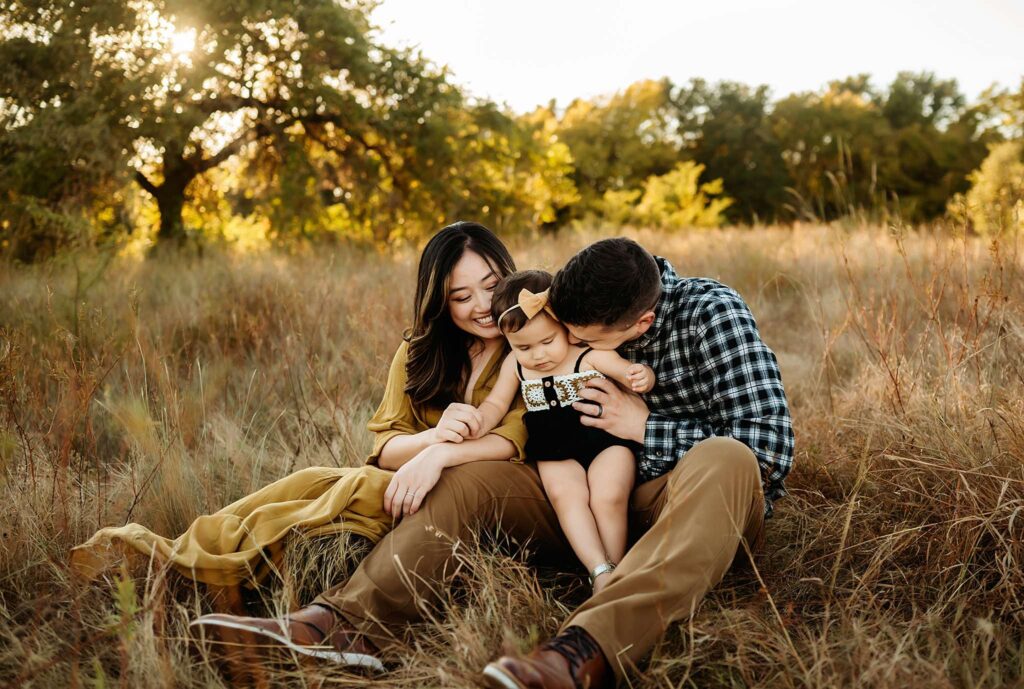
{"x":644,"y":322}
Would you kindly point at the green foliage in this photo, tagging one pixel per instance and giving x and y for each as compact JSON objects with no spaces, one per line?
{"x":620,"y":141}
{"x":674,"y":200}
{"x":678,"y":199}
{"x":995,"y":202}
{"x":293,"y":121}
{"x":832,"y":147}
{"x":936,"y":141}
{"x":618,"y":206}
{"x":726,"y":128}
{"x":297,"y":98}
{"x":1011,"y":106}
{"x":905,"y":151}
{"x":902,"y":151}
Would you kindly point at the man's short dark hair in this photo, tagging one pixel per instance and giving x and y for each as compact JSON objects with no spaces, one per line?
{"x":611,"y":282}
{"x":506,"y":295}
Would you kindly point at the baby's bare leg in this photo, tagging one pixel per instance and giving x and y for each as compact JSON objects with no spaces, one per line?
{"x":610,"y":478}
{"x":565,"y":483}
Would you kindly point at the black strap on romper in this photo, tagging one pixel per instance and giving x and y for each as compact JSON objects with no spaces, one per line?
{"x":575,"y":369}
{"x":548,"y":382}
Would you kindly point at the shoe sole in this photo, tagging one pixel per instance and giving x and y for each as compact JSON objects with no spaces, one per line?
{"x":496,"y":678}
{"x":360,"y":660}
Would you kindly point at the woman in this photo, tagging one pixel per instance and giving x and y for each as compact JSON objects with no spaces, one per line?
{"x":452,"y":353}
{"x":444,"y":369}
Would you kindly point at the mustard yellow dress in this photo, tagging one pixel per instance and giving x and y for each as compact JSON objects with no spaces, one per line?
{"x":243,"y":542}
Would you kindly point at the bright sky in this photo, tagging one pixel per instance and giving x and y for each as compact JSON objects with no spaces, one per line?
{"x":529,"y":51}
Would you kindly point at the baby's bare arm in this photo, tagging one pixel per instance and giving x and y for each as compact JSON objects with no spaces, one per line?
{"x":500,"y":400}
{"x":636,"y":377}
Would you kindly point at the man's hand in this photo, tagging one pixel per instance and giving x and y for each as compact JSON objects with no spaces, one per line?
{"x":641,"y":378}
{"x":458,"y":422}
{"x":607,"y":407}
{"x":415,"y":479}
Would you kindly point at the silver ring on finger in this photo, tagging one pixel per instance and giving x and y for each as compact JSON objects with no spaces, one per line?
{"x":600,"y":409}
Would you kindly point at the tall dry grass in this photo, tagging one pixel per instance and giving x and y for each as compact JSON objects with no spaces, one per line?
{"x":158,"y":391}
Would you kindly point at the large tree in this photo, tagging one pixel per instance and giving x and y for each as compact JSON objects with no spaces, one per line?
{"x":936,"y":141}
{"x":163,"y":91}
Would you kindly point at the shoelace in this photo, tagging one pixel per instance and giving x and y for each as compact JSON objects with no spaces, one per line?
{"x":576,"y":646}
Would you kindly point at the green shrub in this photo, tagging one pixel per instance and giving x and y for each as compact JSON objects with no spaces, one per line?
{"x":995,"y":202}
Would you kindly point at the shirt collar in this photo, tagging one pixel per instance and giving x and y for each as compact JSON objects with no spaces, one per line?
{"x":670,"y":282}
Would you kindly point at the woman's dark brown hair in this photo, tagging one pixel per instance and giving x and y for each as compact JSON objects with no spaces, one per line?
{"x":438,"y":366}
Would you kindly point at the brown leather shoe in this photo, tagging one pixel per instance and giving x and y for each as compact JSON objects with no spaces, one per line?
{"x":314,"y":631}
{"x":571,"y":660}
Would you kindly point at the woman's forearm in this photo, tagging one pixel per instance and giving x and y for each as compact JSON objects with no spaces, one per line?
{"x":402,"y":448}
{"x":416,"y":477}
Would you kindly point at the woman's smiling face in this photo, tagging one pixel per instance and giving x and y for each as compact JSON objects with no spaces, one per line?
{"x":471,"y":285}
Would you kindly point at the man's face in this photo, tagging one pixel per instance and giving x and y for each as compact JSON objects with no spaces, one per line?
{"x":609,"y":336}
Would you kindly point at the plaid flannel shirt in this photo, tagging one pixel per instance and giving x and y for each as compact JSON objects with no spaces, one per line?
{"x":715,"y":377}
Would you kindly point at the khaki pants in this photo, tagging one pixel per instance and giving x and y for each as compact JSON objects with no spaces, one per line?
{"x":687,"y":527}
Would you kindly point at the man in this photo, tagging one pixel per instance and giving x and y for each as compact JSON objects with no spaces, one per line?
{"x":718,"y":443}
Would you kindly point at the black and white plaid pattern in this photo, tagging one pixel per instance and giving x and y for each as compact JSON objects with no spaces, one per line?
{"x":715,"y":378}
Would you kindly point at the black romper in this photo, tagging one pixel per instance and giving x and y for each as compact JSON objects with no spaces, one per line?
{"x":554,"y":427}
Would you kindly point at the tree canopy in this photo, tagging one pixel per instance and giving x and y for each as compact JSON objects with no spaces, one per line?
{"x":161,"y":92}
{"x":116,"y":115}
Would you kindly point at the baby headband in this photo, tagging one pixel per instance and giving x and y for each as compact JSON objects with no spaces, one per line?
{"x":531,"y":304}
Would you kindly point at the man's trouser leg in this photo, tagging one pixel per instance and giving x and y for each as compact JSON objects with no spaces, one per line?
{"x":698,"y":515}
{"x":413,"y":563}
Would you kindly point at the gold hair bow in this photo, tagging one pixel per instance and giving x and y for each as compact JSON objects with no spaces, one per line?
{"x":531,"y":304}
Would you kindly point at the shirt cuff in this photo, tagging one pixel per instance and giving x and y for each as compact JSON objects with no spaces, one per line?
{"x":667,"y":439}
{"x":659,"y":438}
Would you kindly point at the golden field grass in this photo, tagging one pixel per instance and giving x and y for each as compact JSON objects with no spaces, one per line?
{"x":155,"y":391}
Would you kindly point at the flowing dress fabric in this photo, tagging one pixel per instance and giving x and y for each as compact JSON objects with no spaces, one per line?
{"x":245,"y":541}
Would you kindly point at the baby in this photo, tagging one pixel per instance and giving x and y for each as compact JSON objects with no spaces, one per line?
{"x":587,"y":473}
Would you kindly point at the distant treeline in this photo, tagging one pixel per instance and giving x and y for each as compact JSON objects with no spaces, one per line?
{"x":292,"y":120}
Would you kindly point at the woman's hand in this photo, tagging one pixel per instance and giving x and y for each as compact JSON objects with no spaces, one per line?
{"x":458,"y":422}
{"x":606,"y":406}
{"x":414,"y":480}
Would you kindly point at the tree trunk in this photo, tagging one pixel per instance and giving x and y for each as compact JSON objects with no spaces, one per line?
{"x":170,"y":202}
{"x":170,"y":197}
